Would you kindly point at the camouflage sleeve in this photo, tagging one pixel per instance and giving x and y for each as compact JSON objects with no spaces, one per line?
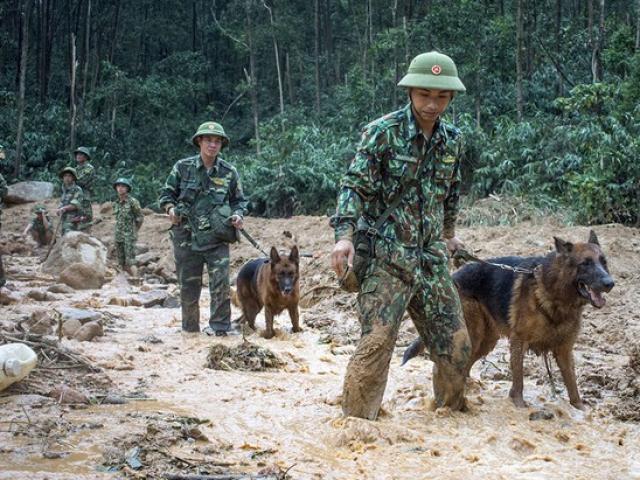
{"x":452,"y":201}
{"x":138,"y":217}
{"x":171,"y":190}
{"x":3,"y":188}
{"x":359,"y":185}
{"x":237,"y":201}
{"x":76,"y":199}
{"x":87,"y":178}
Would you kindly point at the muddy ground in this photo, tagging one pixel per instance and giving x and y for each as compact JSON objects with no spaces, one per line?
{"x":149,"y":406}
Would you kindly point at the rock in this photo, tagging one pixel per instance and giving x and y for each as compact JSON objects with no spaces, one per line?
{"x":83,"y":316}
{"x":41,"y":296}
{"x":89,"y":331}
{"x":77,"y":247}
{"x":129,"y":301}
{"x":60,"y":288}
{"x":25,"y":192}
{"x":171,"y":301}
{"x":141,"y":248}
{"x":146,"y":258}
{"x":70,"y":327}
{"x":64,"y":394}
{"x":105,"y":208}
{"x":150,"y":299}
{"x":82,"y":277}
{"x":7,"y":297}
{"x":543,"y":414}
{"x":40,"y":322}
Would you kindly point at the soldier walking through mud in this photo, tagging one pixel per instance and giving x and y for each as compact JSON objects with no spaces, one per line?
{"x":70,"y":209}
{"x":3,"y":192}
{"x":204,"y":200}
{"x":406,"y":175}
{"x":86,"y":180}
{"x":129,"y":218}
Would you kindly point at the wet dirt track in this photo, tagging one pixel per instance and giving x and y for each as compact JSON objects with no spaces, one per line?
{"x":291,"y":416}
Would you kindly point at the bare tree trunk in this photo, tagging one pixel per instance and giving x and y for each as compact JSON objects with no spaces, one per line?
{"x":287,"y":70}
{"x":638,"y":36}
{"x":24,"y":48}
{"x":406,"y":40}
{"x":114,"y":32}
{"x":277,"y":54}
{"x":72,"y":95}
{"x":557,"y":26}
{"x":252,"y":75}
{"x":596,"y":60}
{"x":87,"y":47}
{"x":519,"y":60}
{"x":316,"y":15}
{"x":394,"y":93}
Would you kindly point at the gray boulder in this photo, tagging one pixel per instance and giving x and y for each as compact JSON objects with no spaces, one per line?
{"x":25,"y":192}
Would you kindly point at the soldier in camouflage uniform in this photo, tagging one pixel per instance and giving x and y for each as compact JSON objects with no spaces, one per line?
{"x":86,"y":180}
{"x":70,"y":209}
{"x":199,"y":191}
{"x":40,"y":227}
{"x":408,"y":271}
{"x":128,"y":221}
{"x":3,"y":193}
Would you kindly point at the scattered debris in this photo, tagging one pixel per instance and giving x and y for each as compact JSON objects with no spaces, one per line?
{"x":246,"y":357}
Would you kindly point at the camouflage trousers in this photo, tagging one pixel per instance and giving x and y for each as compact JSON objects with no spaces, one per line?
{"x":189,"y":267}
{"x":432,"y":302}
{"x":126,"y":252}
{"x":87,"y":212}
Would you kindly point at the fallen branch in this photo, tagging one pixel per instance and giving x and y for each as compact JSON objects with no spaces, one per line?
{"x":319,"y":287}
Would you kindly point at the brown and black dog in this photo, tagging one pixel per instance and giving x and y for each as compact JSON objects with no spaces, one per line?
{"x":539,"y":311}
{"x":272,"y":283}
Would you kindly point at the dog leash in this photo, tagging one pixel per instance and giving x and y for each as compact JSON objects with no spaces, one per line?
{"x":461,"y":255}
{"x":257,"y":246}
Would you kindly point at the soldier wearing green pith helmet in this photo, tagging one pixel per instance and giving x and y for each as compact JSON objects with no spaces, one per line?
{"x":204,"y":200}
{"x":86,"y":180}
{"x":3,"y":193}
{"x":71,"y":201}
{"x":402,"y":263}
{"x":128,"y":215}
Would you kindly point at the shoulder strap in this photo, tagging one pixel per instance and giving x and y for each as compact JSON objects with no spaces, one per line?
{"x":404,"y":187}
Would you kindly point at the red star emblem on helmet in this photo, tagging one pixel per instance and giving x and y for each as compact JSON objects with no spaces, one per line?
{"x":436,"y":69}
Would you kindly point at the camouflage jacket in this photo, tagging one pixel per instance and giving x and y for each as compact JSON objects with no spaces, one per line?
{"x":3,"y":192}
{"x":72,"y":195}
{"x":391,"y":151}
{"x":86,"y":178}
{"x":128,"y":218}
{"x":185,"y":180}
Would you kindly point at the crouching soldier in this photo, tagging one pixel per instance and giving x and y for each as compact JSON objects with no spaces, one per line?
{"x":129,"y":219}
{"x":70,"y":209}
{"x":40,"y":227}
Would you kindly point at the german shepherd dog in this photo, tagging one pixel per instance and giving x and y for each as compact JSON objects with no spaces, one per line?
{"x":272,"y":283}
{"x":539,"y":311}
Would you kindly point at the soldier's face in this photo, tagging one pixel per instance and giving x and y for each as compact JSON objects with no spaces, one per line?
{"x":67,"y":179}
{"x":429,"y":104}
{"x":81,"y":158}
{"x":122,"y":189}
{"x":210,"y":145}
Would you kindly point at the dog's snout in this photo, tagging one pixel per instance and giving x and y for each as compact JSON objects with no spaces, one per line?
{"x":608,"y":284}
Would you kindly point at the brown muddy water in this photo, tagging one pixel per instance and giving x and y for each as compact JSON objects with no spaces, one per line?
{"x":291,"y":417}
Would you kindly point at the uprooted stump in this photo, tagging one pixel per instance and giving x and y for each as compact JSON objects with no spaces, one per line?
{"x":246,"y":357}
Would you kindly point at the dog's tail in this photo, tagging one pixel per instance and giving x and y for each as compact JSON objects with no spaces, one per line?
{"x":415,"y":349}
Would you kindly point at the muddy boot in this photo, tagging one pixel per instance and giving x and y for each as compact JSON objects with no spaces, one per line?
{"x":367,"y":372}
{"x":448,"y":384}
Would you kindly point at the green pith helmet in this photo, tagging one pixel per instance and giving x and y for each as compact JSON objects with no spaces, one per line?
{"x":39,"y":208}
{"x":210,"y":128}
{"x":70,"y":170}
{"x":123,"y":181}
{"x":84,"y":150}
{"x":432,"y":70}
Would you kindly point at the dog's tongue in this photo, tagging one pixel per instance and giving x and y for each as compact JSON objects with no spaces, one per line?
{"x":597,"y":300}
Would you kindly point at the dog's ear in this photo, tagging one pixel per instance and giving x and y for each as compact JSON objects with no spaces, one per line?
{"x":275,"y":256}
{"x":593,"y":238}
{"x":294,"y":256}
{"x":562,"y":246}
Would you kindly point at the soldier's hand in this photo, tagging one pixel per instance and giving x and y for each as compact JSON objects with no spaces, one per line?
{"x":343,"y":252}
{"x":453,"y":244}
{"x":236,"y":221}
{"x":175,"y":219}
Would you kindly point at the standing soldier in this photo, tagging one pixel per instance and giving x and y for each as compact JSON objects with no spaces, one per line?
{"x":128,"y":221}
{"x":3,"y":193}
{"x":204,"y":200}
{"x":70,"y":209}
{"x":86,"y":180}
{"x":40,"y":227}
{"x":398,"y":204}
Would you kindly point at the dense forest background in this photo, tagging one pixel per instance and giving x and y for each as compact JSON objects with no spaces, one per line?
{"x":551,"y":112}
